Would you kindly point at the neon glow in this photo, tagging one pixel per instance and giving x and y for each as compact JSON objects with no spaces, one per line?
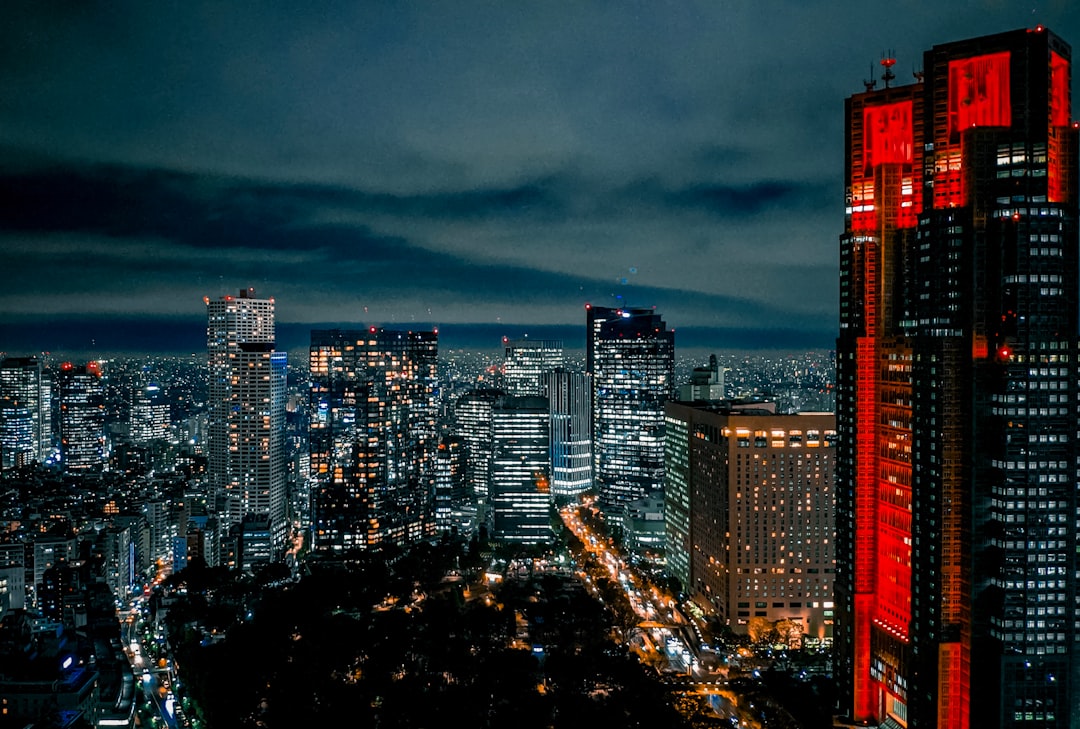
{"x":1059,"y":91}
{"x":979,"y":92}
{"x":887,"y":134}
{"x":1059,"y":117}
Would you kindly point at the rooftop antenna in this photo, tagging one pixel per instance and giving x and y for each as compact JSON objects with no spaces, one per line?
{"x":888,"y":60}
{"x":871,"y":83}
{"x":918,"y":73}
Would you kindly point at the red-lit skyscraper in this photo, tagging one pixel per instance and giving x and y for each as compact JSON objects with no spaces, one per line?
{"x":957,"y":384}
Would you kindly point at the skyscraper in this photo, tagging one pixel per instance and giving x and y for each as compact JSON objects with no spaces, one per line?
{"x":455,"y":508}
{"x":526,"y":360}
{"x":472,"y":421}
{"x":373,"y":436}
{"x":520,"y":492}
{"x":246,"y":412}
{"x":149,"y":414}
{"x":568,"y":398}
{"x":957,"y":382}
{"x":25,"y":411}
{"x":80,"y":394}
{"x":630,"y":354}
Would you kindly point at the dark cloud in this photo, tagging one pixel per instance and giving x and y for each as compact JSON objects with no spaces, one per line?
{"x":168,"y":232}
{"x":440,"y":163}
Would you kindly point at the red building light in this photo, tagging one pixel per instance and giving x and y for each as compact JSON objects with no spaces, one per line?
{"x":979,"y":92}
{"x":1059,"y":117}
{"x":887,"y":134}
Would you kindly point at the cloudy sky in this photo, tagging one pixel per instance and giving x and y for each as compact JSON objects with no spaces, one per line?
{"x":487,"y":168}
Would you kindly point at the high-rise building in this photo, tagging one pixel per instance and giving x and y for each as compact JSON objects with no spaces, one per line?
{"x":526,"y":360}
{"x":118,"y":555}
{"x":80,"y":395}
{"x":957,"y":383}
{"x":25,"y":412}
{"x":373,"y":436}
{"x":749,"y":505}
{"x":149,"y":414}
{"x":162,"y":523}
{"x":455,"y":508}
{"x":520,"y":493}
{"x":630,"y":354}
{"x":472,"y":421}
{"x":568,"y":396}
{"x":246,"y":412}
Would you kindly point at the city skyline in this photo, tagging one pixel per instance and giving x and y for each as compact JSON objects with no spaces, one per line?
{"x":486,"y":170}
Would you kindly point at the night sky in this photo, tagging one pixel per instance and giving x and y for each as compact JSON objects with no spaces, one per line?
{"x":487,"y":168}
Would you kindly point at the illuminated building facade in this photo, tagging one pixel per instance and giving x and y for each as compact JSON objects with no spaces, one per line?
{"x":526,"y":360}
{"x":520,"y":492}
{"x":80,"y":393}
{"x":149,"y":414}
{"x":452,"y":500}
{"x":677,"y":544}
{"x":957,"y":383}
{"x":630,"y":354}
{"x":373,"y":436}
{"x":472,"y":421}
{"x":568,"y":396}
{"x":25,"y":412}
{"x":246,"y":412}
{"x":756,"y":492}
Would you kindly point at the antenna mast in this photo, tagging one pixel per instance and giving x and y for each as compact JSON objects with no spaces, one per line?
{"x":888,"y":60}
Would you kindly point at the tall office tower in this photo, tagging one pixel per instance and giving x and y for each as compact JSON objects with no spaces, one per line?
{"x":25,"y":412}
{"x":149,"y":414}
{"x":472,"y":421}
{"x":631,"y":356}
{"x":80,"y":394}
{"x":117,"y":550}
{"x":957,"y":382}
{"x":452,"y":499}
{"x":520,"y":492}
{"x":750,"y":501}
{"x":874,"y":475}
{"x":373,"y":436}
{"x":526,"y":360}
{"x":571,"y":447}
{"x":246,"y":412}
{"x":162,"y":524}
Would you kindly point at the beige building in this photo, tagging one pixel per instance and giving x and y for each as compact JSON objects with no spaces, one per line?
{"x":757,"y":499}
